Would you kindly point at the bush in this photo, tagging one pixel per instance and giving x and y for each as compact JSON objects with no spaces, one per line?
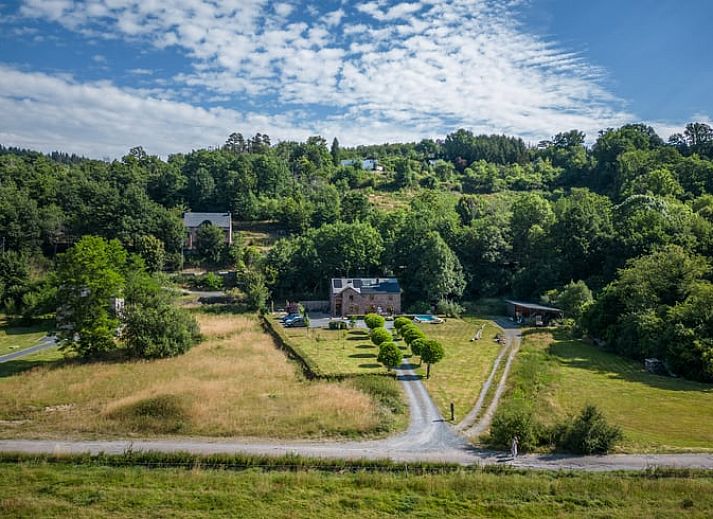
{"x":411,"y":332}
{"x":449,"y":308}
{"x":588,"y":433}
{"x":337,"y":325}
{"x":374,"y":321}
{"x":160,"y":330}
{"x":514,"y":418}
{"x":389,"y":355}
{"x":212,"y":281}
{"x":380,"y":335}
{"x":419,"y":307}
{"x":399,"y":322}
{"x":417,"y":346}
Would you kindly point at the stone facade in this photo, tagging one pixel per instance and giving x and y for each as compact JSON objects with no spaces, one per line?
{"x":359,"y":296}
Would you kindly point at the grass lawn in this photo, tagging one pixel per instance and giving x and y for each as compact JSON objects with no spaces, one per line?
{"x":656,"y":413}
{"x":457,"y":378}
{"x":235,"y":383}
{"x":46,"y":490}
{"x":14,"y":338}
{"x":337,"y":352}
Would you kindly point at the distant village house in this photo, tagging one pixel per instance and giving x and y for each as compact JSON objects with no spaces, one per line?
{"x":366,"y":164}
{"x":359,"y":296}
{"x":193,"y":221}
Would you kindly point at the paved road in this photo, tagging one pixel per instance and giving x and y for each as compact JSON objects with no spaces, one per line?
{"x":428,"y":438}
{"x":44,"y":344}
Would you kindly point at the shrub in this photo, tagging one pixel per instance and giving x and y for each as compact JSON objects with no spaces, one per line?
{"x":374,"y":321}
{"x":514,"y":418}
{"x":432,"y":352}
{"x":389,"y":355}
{"x":399,"y":322}
{"x":159,"y":330}
{"x":419,"y":307}
{"x":379,"y":335}
{"x":417,"y":346}
{"x":337,"y":325}
{"x":449,"y":308}
{"x":588,"y":433}
{"x":411,"y":332}
{"x":212,"y":281}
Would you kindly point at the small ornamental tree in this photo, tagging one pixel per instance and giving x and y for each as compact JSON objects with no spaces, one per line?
{"x":400,"y":322}
{"x":417,"y":346}
{"x":431,"y":353}
{"x":411,"y":332}
{"x":380,"y":335}
{"x":390,"y":355}
{"x":374,"y":321}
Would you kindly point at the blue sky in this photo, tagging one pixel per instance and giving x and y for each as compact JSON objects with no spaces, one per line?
{"x":97,"y":77}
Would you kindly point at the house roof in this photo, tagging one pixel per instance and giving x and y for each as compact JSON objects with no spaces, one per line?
{"x":367,"y":285}
{"x":221,"y":220}
{"x":533,"y":306}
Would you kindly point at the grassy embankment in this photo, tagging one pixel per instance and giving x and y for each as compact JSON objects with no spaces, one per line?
{"x":657,"y":413}
{"x":235,"y":383}
{"x":14,"y":338}
{"x":457,"y":378}
{"x":40,"y":489}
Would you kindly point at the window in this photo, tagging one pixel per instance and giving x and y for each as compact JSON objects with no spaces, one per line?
{"x":371,"y":298}
{"x":391,"y":298}
{"x":351,"y":298}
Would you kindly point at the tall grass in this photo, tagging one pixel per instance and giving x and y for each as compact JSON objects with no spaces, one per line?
{"x":235,"y":383}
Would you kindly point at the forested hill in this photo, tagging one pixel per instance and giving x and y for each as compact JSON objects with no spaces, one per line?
{"x":629,"y":218}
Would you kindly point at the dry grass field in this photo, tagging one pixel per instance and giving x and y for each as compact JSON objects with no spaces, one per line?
{"x":235,"y":383}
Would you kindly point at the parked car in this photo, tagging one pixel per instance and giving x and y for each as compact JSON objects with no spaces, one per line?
{"x":297,"y":322}
{"x":289,"y":317}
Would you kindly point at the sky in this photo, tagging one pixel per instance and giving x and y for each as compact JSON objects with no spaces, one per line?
{"x":97,"y":77}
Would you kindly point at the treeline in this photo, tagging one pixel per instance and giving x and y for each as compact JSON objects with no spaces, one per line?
{"x":459,"y":218}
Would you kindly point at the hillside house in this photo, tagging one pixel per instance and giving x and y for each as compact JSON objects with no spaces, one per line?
{"x":193,"y":221}
{"x":359,"y":296}
{"x":366,"y":164}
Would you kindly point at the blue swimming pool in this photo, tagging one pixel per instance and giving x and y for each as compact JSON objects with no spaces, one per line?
{"x":425,"y":318}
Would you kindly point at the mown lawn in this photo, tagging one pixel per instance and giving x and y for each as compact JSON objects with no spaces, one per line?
{"x":31,"y":490}
{"x":458,"y":378}
{"x":338,"y":352}
{"x":235,"y":383}
{"x":14,"y":338}
{"x":656,"y":413}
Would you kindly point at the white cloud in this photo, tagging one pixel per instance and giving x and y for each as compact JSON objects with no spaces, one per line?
{"x":407,"y":70}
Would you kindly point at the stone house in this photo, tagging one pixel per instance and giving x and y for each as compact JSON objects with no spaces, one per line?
{"x":359,"y":296}
{"x":193,"y":221}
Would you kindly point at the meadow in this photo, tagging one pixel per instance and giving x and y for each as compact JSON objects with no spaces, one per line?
{"x":235,"y":383}
{"x":14,"y":337}
{"x":656,"y":413}
{"x":458,"y":378}
{"x":39,"y":489}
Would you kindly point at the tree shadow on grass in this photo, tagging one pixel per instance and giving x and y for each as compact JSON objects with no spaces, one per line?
{"x":362,"y":356}
{"x":365,"y":347}
{"x":13,"y":367}
{"x":577,"y":354}
{"x":359,"y":332}
{"x":370,"y":366}
{"x":360,"y":338}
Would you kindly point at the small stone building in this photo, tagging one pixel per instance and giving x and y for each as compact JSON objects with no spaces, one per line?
{"x":359,"y":296}
{"x":193,"y":221}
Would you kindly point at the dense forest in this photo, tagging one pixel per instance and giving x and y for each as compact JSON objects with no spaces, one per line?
{"x":619,"y":233}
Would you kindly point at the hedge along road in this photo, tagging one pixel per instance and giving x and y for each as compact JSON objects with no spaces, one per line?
{"x":429,"y":438}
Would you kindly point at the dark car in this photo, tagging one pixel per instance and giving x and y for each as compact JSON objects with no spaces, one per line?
{"x":297,"y":322}
{"x":289,"y":317}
